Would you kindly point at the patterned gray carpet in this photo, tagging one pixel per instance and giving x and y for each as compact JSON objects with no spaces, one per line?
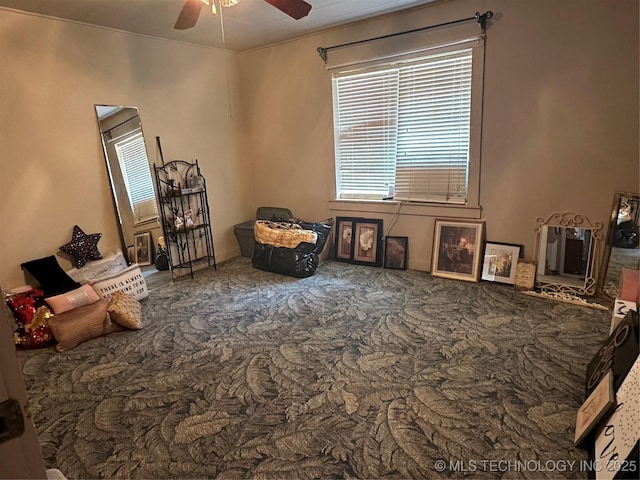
{"x":356,"y":372}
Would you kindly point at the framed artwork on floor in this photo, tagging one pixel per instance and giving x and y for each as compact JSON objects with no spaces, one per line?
{"x":500,"y":262}
{"x":367,"y":242}
{"x":457,"y":249}
{"x":395,"y":252}
{"x":525,"y":275}
{"x":594,"y":408}
{"x":142,"y":248}
{"x":343,"y":238}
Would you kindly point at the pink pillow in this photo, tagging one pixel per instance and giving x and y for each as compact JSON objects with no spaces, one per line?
{"x":85,"y":295}
{"x":630,"y":285}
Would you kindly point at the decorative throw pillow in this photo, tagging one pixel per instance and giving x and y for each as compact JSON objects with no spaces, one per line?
{"x":82,"y":247}
{"x":81,"y":324}
{"x":85,"y":295}
{"x":110,"y":264}
{"x":129,"y":281}
{"x":23,"y":305}
{"x":51,"y":277}
{"x":28,"y":338}
{"x":125,"y":310}
{"x":32,"y":316}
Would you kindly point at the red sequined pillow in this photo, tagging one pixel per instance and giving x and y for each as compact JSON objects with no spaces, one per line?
{"x":32,"y":316}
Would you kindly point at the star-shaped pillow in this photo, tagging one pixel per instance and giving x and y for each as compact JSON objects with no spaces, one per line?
{"x":82,"y":247}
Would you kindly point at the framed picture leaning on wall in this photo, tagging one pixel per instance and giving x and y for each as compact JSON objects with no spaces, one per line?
{"x":142,"y":248}
{"x":457,"y":249}
{"x":395,"y":252}
{"x":500,"y":262}
{"x":367,"y":242}
{"x":343,"y":244}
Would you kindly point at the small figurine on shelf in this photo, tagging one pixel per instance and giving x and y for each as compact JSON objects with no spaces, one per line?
{"x":195,"y":182}
{"x":162,"y":260}
{"x":188,"y":221}
{"x":172,"y":191}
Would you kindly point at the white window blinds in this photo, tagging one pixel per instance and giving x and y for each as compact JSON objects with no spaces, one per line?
{"x":433,"y":129}
{"x":367,"y":110}
{"x":137,"y":177}
{"x":407,"y":125}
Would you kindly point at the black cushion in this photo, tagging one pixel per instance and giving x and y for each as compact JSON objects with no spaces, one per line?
{"x":49,"y":274}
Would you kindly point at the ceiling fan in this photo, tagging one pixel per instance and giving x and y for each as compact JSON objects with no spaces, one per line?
{"x":191,"y":10}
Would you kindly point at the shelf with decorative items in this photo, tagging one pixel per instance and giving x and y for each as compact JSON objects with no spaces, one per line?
{"x":184,"y":212}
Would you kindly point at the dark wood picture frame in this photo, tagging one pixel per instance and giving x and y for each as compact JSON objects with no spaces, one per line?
{"x":142,"y":248}
{"x":343,"y":244}
{"x":594,"y":408}
{"x":501,"y":261}
{"x":396,"y":251}
{"x":367,"y":242}
{"x":457,"y":249}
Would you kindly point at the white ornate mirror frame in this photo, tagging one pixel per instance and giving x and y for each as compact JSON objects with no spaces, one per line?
{"x":585,"y":237}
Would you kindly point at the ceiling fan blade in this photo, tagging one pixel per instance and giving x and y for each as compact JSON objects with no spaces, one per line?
{"x":294,"y":8}
{"x":189,"y":14}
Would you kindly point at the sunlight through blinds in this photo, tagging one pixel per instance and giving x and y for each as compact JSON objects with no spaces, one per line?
{"x":137,"y":177}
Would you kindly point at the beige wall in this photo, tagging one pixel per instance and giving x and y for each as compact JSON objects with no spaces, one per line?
{"x":53,"y":174}
{"x":560,"y":116}
{"x":560,"y":122}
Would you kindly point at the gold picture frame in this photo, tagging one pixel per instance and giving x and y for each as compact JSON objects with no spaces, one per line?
{"x":457,"y":249}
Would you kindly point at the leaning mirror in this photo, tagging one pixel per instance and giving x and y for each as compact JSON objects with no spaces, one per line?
{"x":130,"y":177}
{"x":622,"y":245}
{"x":566,"y":246}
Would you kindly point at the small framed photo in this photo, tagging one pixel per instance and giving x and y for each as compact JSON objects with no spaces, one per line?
{"x":594,"y":408}
{"x":395,"y":252}
{"x":500,"y":262}
{"x":344,"y":238}
{"x":142,"y":248}
{"x":457,"y":249}
{"x":525,"y":275}
{"x":367,"y":244}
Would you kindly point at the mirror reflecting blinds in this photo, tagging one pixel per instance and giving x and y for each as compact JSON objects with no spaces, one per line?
{"x":132,"y":157}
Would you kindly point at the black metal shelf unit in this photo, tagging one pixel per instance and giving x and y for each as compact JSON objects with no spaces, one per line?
{"x":184,"y":211}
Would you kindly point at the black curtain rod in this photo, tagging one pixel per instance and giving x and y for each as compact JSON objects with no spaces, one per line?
{"x":480,"y":18}
{"x":108,"y":130}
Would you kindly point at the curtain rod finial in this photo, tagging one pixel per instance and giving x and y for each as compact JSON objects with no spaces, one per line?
{"x":482,"y":19}
{"x":323,"y":53}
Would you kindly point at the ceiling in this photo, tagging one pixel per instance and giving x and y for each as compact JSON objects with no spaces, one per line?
{"x":250,"y":24}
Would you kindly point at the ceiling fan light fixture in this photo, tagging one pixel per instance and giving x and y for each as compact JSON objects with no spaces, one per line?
{"x":223,"y":3}
{"x":211,"y":3}
{"x":190,"y":11}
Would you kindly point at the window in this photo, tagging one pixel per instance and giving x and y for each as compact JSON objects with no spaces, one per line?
{"x":408,"y":125}
{"x":132,"y":156}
